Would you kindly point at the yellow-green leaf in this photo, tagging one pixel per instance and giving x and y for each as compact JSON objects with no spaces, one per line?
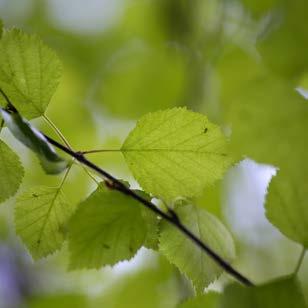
{"x":108,"y":227}
{"x":190,"y":259}
{"x":176,"y":152}
{"x":41,"y":215}
{"x":11,"y":172}
{"x":29,"y":72}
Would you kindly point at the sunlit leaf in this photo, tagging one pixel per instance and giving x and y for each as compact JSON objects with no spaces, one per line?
{"x":190,"y":259}
{"x":29,"y":72}
{"x":108,"y":227}
{"x":11,"y":172}
{"x":41,"y":215}
{"x":22,"y":130}
{"x":176,"y":153}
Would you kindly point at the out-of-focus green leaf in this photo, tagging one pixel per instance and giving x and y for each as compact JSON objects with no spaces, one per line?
{"x":176,"y":153}
{"x":22,"y":130}
{"x":267,"y":116}
{"x":269,"y":123}
{"x":208,"y":300}
{"x":59,"y":301}
{"x":41,"y":216}
{"x":287,"y":207}
{"x":283,"y":293}
{"x":149,"y":78}
{"x":153,"y":285}
{"x":29,"y":72}
{"x":190,"y":259}
{"x":283,"y":47}
{"x":1,"y":27}
{"x":211,"y":199}
{"x":108,"y":227}
{"x":259,"y":7}
{"x":11,"y":172}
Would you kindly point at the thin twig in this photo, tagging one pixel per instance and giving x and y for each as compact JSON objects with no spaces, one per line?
{"x":300,"y":261}
{"x":57,"y":130}
{"x":115,"y":184}
{"x":66,"y":174}
{"x":61,"y":136}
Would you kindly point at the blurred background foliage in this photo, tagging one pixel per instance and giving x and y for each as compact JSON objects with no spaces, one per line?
{"x":242,"y":62}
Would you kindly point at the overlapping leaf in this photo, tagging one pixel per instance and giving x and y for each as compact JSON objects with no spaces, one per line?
{"x":29,"y":72}
{"x":11,"y":172}
{"x":41,"y":215}
{"x":190,"y":259}
{"x":176,"y":153}
{"x":107,"y":227}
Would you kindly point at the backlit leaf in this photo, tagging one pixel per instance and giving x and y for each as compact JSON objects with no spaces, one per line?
{"x":190,"y":259}
{"x":108,"y":227}
{"x":176,"y":153}
{"x":29,"y":72}
{"x":41,"y":215}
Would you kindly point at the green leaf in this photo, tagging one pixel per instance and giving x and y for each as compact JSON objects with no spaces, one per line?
{"x":129,"y":70}
{"x":153,"y":284}
{"x":41,"y":215}
{"x":260,"y":7}
{"x":267,"y":116}
{"x":287,"y":207}
{"x":283,"y":293}
{"x":190,"y":259}
{"x":287,"y":38}
{"x":152,"y":224}
{"x":108,"y":227}
{"x":176,"y":153}
{"x":29,"y":72}
{"x":59,"y":301}
{"x":11,"y":172}
{"x":151,"y":221}
{"x":208,"y":300}
{"x":22,"y":130}
{"x":269,"y":124}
